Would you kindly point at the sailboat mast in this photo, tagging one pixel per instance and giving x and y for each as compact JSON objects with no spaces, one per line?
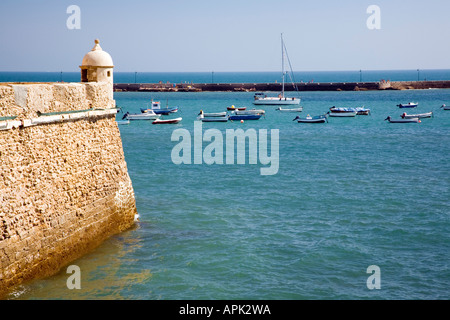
{"x":282,"y":65}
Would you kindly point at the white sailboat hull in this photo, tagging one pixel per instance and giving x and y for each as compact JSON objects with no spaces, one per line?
{"x":277,"y":101}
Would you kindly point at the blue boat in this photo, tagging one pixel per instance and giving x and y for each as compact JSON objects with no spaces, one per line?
{"x":408,"y":105}
{"x":165,"y":111}
{"x":244,"y":117}
{"x":309,"y":119}
{"x":156,"y":108}
{"x":362,"y":111}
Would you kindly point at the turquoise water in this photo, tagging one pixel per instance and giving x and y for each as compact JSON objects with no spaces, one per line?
{"x":237,"y":77}
{"x":349,"y":194}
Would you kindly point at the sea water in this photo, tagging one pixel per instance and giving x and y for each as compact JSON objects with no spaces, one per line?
{"x":237,"y":77}
{"x":349,"y":194}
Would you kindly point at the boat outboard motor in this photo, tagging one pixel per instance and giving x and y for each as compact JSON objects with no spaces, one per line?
{"x":125,"y":115}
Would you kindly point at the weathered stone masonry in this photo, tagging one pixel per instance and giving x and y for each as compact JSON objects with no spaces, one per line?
{"x":64,"y":185}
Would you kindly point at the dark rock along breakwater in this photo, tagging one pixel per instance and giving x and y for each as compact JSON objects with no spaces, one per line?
{"x":232,"y":87}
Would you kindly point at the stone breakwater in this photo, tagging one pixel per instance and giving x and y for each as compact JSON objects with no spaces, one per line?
{"x":64,"y":184}
{"x":232,"y":87}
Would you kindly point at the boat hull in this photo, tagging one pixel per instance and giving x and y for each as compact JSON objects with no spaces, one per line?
{"x":245,"y":117}
{"x":309,"y":119}
{"x":216,"y":114}
{"x":142,"y":116}
{"x":343,"y":114}
{"x":233,"y":108}
{"x":420,"y":115}
{"x":165,"y":111}
{"x":290,"y":110}
{"x":168,"y":121}
{"x":413,"y":120}
{"x":215,"y":119}
{"x":322,"y":120}
{"x":362,"y":112}
{"x":409,"y":105}
{"x":276,"y":101}
{"x":249,"y":112}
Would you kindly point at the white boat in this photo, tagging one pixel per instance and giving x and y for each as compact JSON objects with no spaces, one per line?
{"x":445,"y":107}
{"x":201,"y":117}
{"x":251,"y":111}
{"x":362,"y":111}
{"x":276,"y":101}
{"x":419,"y":115}
{"x":300,"y":109}
{"x":342,"y":112}
{"x":412,"y":120}
{"x":215,"y":114}
{"x":169,"y":121}
{"x":349,"y":113}
{"x":262,"y":99}
{"x":156,"y":108}
{"x":123,"y":121}
{"x":149,"y":115}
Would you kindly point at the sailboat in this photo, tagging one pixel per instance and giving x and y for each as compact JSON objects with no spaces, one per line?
{"x":281,"y":99}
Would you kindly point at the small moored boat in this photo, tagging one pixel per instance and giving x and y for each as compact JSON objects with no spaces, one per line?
{"x":252,"y":111}
{"x":164,"y":112}
{"x":214,"y":114}
{"x":244,"y":117}
{"x":419,"y":115}
{"x":342,"y":112}
{"x":408,"y":105}
{"x":141,"y":116}
{"x":156,"y":108}
{"x":362,"y":111}
{"x":412,"y":120}
{"x":168,"y":121}
{"x":216,"y":119}
{"x":233,"y":108}
{"x":445,"y":107}
{"x":300,"y":109}
{"x":309,"y":119}
{"x":201,"y":117}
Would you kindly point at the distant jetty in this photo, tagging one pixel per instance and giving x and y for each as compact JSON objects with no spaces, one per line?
{"x":310,"y":86}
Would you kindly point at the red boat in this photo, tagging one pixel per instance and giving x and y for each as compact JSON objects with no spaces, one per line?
{"x":232,"y":108}
{"x":160,"y":121}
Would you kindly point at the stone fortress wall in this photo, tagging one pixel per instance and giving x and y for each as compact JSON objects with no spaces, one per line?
{"x":64,"y":184}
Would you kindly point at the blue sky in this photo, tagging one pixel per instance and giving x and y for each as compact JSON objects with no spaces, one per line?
{"x":244,"y":35}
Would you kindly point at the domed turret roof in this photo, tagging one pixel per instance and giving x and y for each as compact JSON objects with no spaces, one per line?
{"x":97,"y":57}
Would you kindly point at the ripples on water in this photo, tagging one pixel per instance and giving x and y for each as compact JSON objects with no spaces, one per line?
{"x":349,"y":194}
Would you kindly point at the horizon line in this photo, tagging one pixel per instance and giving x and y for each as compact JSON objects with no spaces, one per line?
{"x":352,"y":70}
